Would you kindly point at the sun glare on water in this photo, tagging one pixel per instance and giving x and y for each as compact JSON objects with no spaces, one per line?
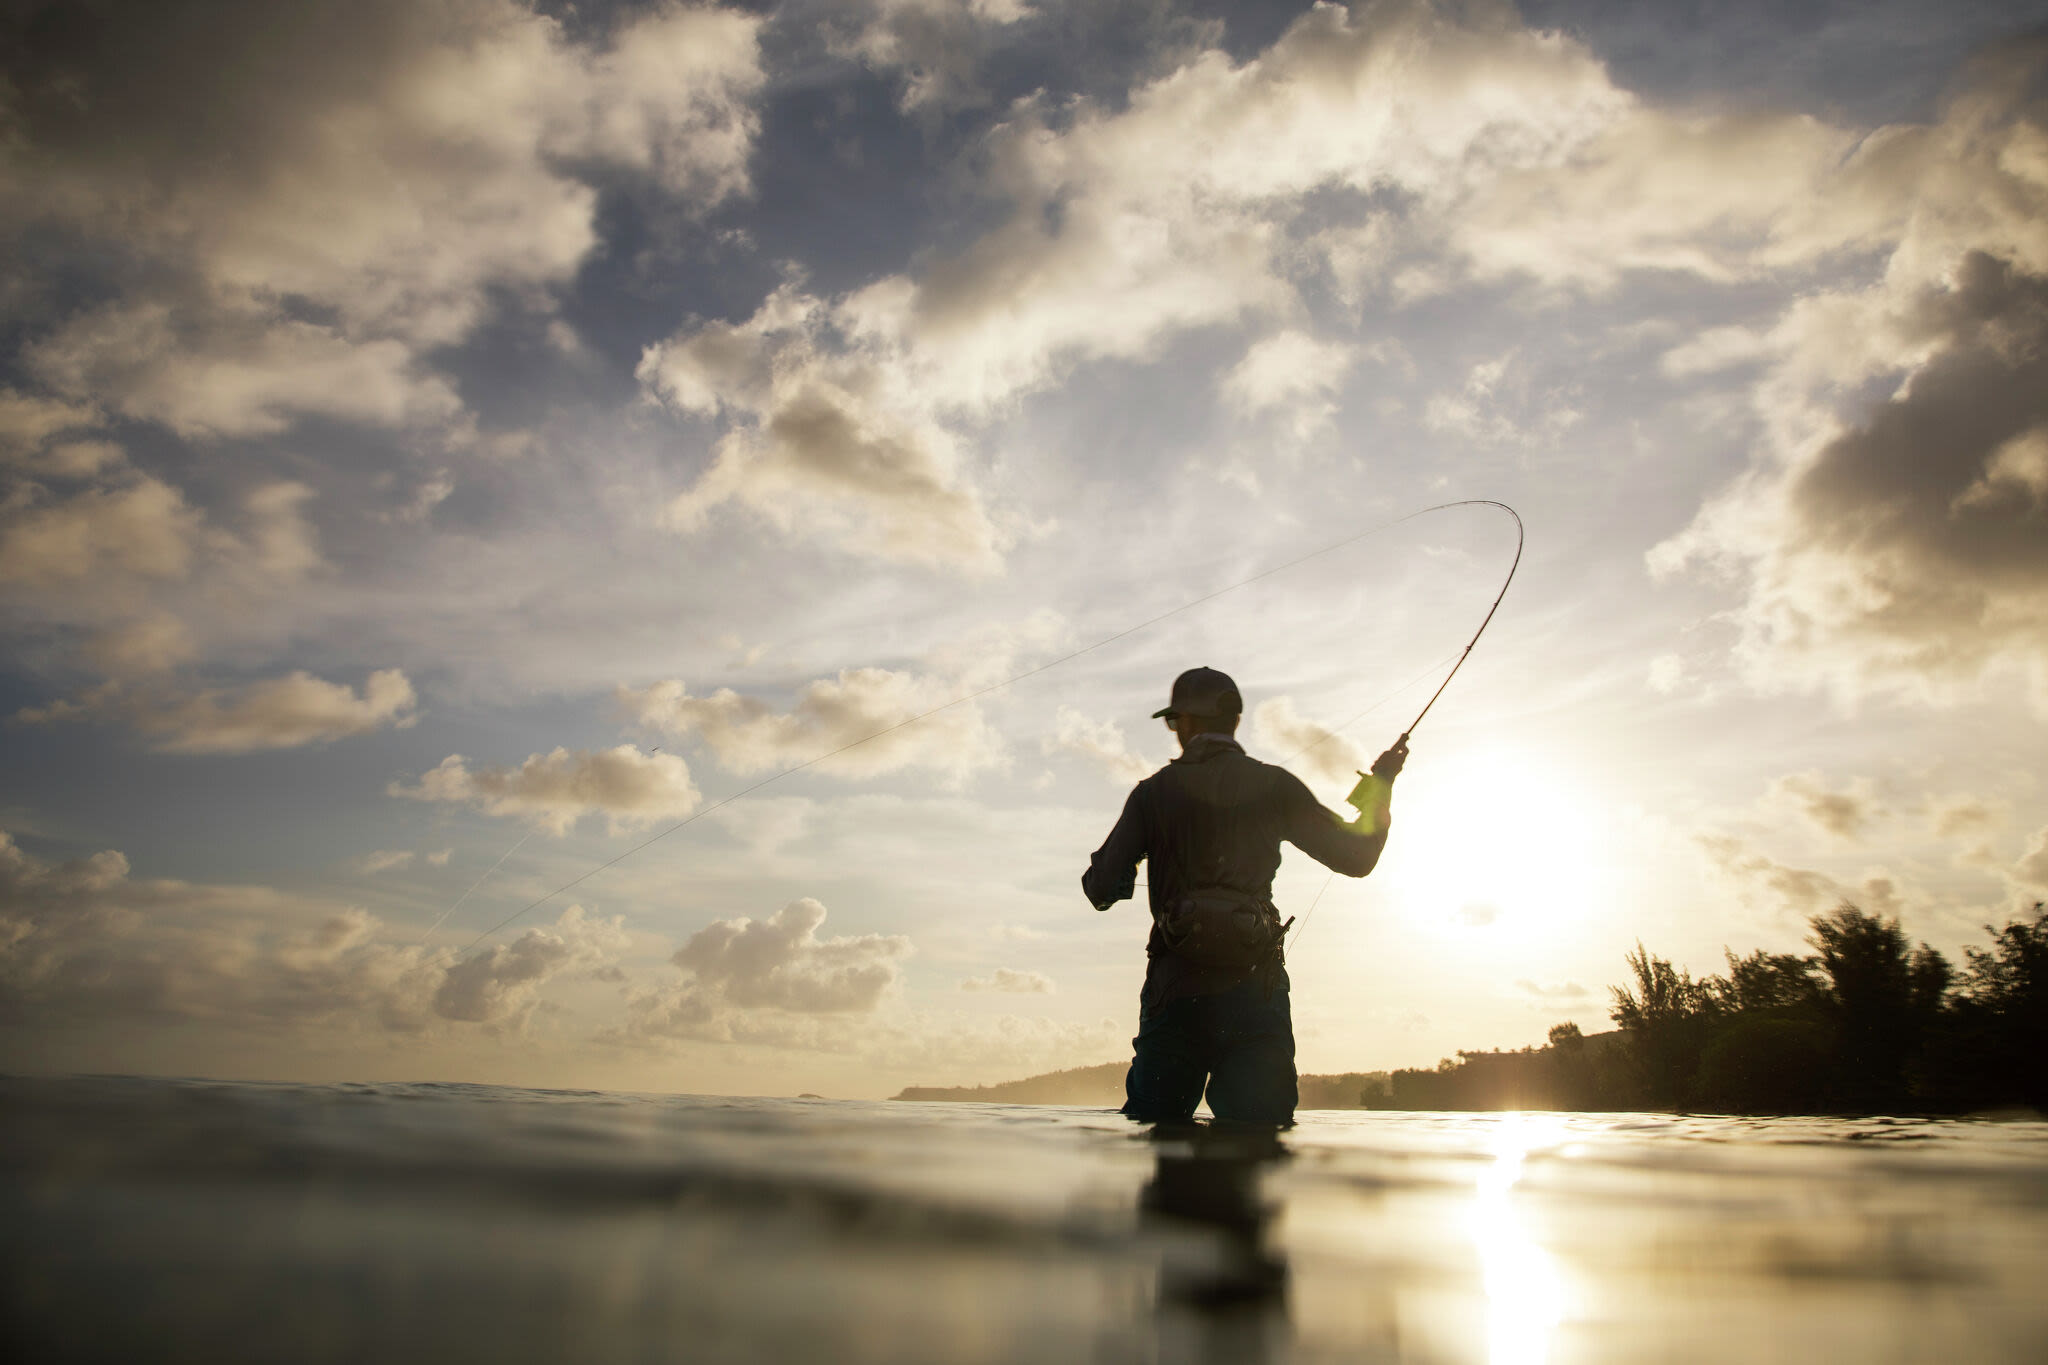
{"x":1496,"y":841}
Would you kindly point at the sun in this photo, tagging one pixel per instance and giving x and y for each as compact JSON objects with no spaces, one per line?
{"x":1495,"y":841}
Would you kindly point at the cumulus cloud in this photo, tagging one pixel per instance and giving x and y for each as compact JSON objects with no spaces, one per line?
{"x":85,"y":943}
{"x":1123,"y":226}
{"x":1900,"y":551}
{"x":1325,"y":753}
{"x":755,"y":980}
{"x":1099,"y":741}
{"x":1799,"y":890}
{"x":235,"y":369}
{"x":357,"y":182}
{"x":749,"y":734}
{"x":1843,"y":813}
{"x":826,"y":442}
{"x":553,"y":791}
{"x":140,"y":529}
{"x":1292,"y":372}
{"x":277,"y":713}
{"x":384,"y":860}
{"x":1010,"y":981}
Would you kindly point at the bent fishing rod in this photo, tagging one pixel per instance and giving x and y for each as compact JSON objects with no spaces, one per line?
{"x":1047,"y":667}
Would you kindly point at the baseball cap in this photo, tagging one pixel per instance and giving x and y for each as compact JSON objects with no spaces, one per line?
{"x":1203,"y":692}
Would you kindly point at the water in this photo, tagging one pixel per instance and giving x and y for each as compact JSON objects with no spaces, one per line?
{"x":196,"y":1221}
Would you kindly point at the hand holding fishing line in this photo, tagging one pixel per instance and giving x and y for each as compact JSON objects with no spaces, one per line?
{"x":1400,"y":745}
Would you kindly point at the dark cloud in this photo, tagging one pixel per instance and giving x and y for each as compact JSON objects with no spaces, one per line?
{"x":1938,"y":503}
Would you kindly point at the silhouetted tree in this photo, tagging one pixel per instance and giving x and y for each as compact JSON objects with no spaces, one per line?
{"x":1878,"y":994}
{"x":2005,"y":992}
{"x":1665,"y":1020}
{"x":1784,"y":983}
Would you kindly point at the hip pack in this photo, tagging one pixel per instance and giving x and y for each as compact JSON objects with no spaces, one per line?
{"x":1216,"y":926}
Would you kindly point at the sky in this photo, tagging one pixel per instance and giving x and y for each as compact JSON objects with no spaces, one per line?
{"x":444,"y":446}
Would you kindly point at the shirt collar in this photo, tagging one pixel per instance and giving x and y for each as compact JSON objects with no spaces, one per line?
{"x":1206,"y":746}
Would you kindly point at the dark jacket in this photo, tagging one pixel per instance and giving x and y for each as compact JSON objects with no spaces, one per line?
{"x":1216,"y":817}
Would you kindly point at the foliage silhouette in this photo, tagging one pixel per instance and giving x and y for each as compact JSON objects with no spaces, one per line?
{"x":1868,"y":1022}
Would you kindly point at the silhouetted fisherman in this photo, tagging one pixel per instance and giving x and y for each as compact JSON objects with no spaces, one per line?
{"x":1214,"y":1009}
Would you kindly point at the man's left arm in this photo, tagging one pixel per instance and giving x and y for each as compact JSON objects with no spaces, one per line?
{"x":1113,"y":870}
{"x":1351,"y":847}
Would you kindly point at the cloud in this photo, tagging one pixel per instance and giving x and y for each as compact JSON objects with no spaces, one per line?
{"x":118,"y":566}
{"x":140,"y":529}
{"x":440,"y":856}
{"x":1956,"y":816}
{"x":751,"y":735}
{"x":384,"y":860}
{"x":502,"y":984}
{"x":1293,"y":372}
{"x":279,"y":713}
{"x":85,"y":944}
{"x":1666,"y":674}
{"x":1326,"y":754}
{"x":746,"y":978}
{"x":1844,"y":814}
{"x":359,"y":180}
{"x":1099,"y":741}
{"x":1800,"y":890}
{"x":237,"y":370}
{"x":1010,"y":981}
{"x":1899,"y":551}
{"x":937,"y":46}
{"x":836,"y":445}
{"x":1495,"y":406}
{"x":50,"y":438}
{"x":1570,"y":990}
{"x":2031,"y":871}
{"x":1120,"y":227}
{"x":553,"y":791}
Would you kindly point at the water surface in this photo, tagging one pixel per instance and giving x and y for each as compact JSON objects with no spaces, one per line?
{"x":203,"y":1221}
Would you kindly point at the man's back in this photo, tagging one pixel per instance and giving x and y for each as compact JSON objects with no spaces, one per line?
{"x":1216,"y":817}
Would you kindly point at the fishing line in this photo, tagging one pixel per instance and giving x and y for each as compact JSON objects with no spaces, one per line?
{"x":1046,"y":667}
{"x":472,"y":888}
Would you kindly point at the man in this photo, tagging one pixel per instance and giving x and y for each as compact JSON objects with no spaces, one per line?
{"x":1214,"y":1008}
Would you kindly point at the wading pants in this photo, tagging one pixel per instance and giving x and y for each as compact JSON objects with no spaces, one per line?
{"x":1239,"y":1043}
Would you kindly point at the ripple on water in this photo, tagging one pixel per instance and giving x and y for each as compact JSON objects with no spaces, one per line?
{"x":195,"y":1220}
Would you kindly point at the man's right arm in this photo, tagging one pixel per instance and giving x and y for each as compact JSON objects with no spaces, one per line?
{"x":1113,"y":872}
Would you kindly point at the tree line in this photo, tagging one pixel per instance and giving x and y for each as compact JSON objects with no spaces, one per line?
{"x":1868,"y":1022}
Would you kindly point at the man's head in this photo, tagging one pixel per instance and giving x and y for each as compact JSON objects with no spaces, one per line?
{"x":1205,"y":702}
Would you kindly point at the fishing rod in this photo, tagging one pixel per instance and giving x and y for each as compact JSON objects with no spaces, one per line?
{"x":1374,"y":794}
{"x":1046,"y":667}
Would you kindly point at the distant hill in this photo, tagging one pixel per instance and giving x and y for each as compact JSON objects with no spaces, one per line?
{"x":1102,"y":1087}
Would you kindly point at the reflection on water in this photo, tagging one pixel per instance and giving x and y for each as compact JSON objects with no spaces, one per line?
{"x":186,"y":1221}
{"x":1523,"y":1289}
{"x":1222,"y":1287}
